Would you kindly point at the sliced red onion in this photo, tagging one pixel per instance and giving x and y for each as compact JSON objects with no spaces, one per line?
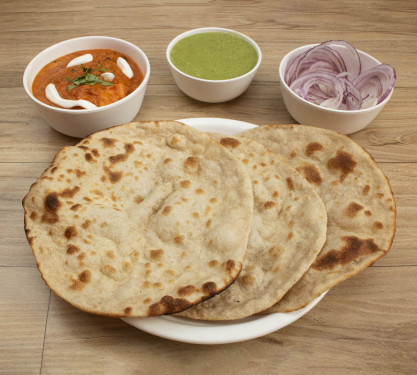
{"x":376,"y":82}
{"x":329,"y":75}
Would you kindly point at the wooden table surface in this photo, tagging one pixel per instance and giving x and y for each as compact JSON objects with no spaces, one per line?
{"x":365,"y":325}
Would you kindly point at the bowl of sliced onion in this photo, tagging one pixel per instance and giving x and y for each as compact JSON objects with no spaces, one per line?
{"x":334,"y":86}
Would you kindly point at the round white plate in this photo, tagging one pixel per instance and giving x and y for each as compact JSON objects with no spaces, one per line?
{"x":218,"y":332}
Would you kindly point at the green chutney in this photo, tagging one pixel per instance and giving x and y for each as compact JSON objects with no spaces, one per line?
{"x":214,"y":56}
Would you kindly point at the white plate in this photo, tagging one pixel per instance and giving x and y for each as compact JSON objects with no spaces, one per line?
{"x":218,"y":332}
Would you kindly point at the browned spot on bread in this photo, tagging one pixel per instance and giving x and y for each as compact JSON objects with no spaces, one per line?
{"x":379,"y":195}
{"x":229,"y":142}
{"x":83,"y":147}
{"x":230,"y":265}
{"x":85,"y":276}
{"x":209,"y":288}
{"x":86,"y":224}
{"x":269,"y":204}
{"x":344,"y":162}
{"x":199,"y":191}
{"x":275,"y":194}
{"x":185,"y":184}
{"x":378,"y":225}
{"x":275,"y":251}
{"x":53,"y":170}
{"x":353,"y":209}
{"x":51,"y":205}
{"x":71,"y":249}
{"x":366,"y":189}
{"x":191,"y":163}
{"x":69,"y":193}
{"x":213,"y":200}
{"x":208,"y":223}
{"x":127,"y":310}
{"x":33,"y":215}
{"x":186,"y":290}
{"x":247,"y":280}
{"x":147,"y":300}
{"x":108,"y":142}
{"x":168,"y":305}
{"x":70,"y":232}
{"x":293,"y":154}
{"x":290,"y":183}
{"x":76,"y":285}
{"x":166,"y":210}
{"x":167,"y":160}
{"x":113,"y":176}
{"x":95,"y":152}
{"x":213,"y":263}
{"x":127,"y":266}
{"x":129,"y":148}
{"x":196,"y":215}
{"x":290,"y":235}
{"x":310,"y":173}
{"x":368,"y":213}
{"x":312,"y":147}
{"x":245,"y":161}
{"x":156,"y":254}
{"x":353,"y":249}
{"x":179,"y":239}
{"x":110,"y":254}
{"x":276,"y":269}
{"x":139,"y":199}
{"x":117,"y":158}
{"x":88,"y":157}
{"x":79,"y":173}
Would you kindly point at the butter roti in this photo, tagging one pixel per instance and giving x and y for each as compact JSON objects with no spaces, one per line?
{"x":141,"y":219}
{"x":288,"y":231}
{"x":358,"y":198}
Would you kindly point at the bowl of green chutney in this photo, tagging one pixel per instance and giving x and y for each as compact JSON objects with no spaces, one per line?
{"x":213,"y":64}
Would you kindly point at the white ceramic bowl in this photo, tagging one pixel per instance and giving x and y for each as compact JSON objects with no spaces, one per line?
{"x":343,"y":121}
{"x":212,"y":91}
{"x":82,"y":122}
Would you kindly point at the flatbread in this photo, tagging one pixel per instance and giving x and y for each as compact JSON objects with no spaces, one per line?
{"x":141,"y":219}
{"x":358,"y":198}
{"x":289,"y":230}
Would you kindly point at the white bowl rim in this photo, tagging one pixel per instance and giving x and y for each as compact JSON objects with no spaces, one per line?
{"x":92,"y":110}
{"x":213,"y":29}
{"x":347,"y":111}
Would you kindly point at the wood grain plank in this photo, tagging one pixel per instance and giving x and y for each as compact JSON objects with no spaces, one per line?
{"x":355,"y":329}
{"x":391,"y":137}
{"x":24,"y":300}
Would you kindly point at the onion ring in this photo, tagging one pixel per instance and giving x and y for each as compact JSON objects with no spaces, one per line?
{"x":330,"y":75}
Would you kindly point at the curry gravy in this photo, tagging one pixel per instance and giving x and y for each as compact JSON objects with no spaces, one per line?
{"x":100,"y":94}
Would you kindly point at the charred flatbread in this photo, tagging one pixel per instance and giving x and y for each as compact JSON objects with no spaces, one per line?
{"x":139,"y":220}
{"x":280,"y":249}
{"x":358,"y":198}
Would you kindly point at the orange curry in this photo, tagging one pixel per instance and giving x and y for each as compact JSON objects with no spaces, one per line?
{"x":83,"y":81}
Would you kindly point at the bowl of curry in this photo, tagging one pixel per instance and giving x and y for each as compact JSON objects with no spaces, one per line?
{"x":87,"y":84}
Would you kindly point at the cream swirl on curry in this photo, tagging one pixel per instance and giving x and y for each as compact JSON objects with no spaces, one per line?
{"x":87,"y":79}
